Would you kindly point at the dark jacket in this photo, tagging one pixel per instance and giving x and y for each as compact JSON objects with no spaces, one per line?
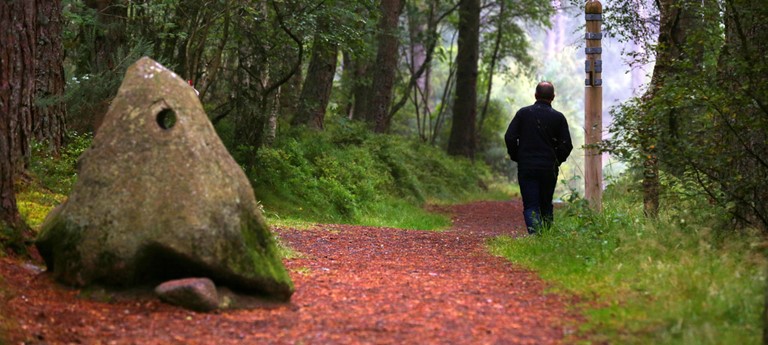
{"x":538,"y":137}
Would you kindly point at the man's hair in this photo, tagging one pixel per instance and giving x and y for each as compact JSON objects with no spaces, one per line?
{"x":545,"y":90}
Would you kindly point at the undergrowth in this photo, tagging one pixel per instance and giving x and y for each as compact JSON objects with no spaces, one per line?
{"x":346,"y":174}
{"x":52,"y":178}
{"x":679,"y":279}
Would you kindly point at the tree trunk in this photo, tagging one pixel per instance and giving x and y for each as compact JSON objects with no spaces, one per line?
{"x":289,"y":96}
{"x":250,"y":117}
{"x":109,"y":38}
{"x":418,"y":92}
{"x":49,"y":117}
{"x":258,"y":77}
{"x":348,"y":83}
{"x":355,"y":81}
{"x":679,"y":20}
{"x":462,"y":137}
{"x":385,"y":68}
{"x":17,"y":90}
{"x":362,"y":89}
{"x":649,"y":130}
{"x":492,"y":68}
{"x":271,"y":134}
{"x":111,"y":34}
{"x":421,"y":59}
{"x":424,"y":38}
{"x":319,"y":81}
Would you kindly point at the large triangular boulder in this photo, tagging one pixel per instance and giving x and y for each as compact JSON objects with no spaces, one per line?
{"x":158,"y":197}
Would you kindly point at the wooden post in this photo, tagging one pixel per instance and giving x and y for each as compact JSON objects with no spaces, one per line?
{"x":593,"y":104}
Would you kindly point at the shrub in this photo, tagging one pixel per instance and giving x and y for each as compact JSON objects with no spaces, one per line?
{"x":58,"y":173}
{"x":345,"y":173}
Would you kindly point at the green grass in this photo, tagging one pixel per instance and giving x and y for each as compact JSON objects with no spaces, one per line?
{"x":277,"y":221}
{"x":35,"y":203}
{"x":390,"y":213}
{"x":386,"y":213}
{"x":402,"y":215}
{"x":675,"y":280}
{"x":287,"y":252}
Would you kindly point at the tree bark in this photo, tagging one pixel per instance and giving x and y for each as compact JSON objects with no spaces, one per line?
{"x":49,"y":117}
{"x":259,"y":76}
{"x":362,"y":89}
{"x":108,"y":38}
{"x":462,"y":139}
{"x":678,"y":21}
{"x":290,"y":93}
{"x":319,"y":82}
{"x":17,"y":90}
{"x":385,"y":68}
{"x":271,"y":135}
{"x":111,"y":34}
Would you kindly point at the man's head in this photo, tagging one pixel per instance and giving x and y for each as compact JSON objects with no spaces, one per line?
{"x":545,"y":91}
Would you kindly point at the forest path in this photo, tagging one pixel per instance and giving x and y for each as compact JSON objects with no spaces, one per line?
{"x":354,"y":285}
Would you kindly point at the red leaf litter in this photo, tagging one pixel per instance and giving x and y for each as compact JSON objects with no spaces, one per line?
{"x":354,"y":285}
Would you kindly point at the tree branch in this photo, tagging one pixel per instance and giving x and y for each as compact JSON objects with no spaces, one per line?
{"x":496,"y":48}
{"x":296,"y":66}
{"x":431,"y":44}
{"x":739,"y":137}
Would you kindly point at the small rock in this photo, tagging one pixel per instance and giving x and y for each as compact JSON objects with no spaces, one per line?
{"x":198,"y":294}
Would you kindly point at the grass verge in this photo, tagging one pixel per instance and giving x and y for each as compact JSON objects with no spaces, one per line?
{"x":674,"y":280}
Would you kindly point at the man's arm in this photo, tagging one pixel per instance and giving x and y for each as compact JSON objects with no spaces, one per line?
{"x":512,"y":136}
{"x":564,"y":144}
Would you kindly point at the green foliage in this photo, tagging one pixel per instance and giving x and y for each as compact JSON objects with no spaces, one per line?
{"x":347,"y":174}
{"x":7,"y":236}
{"x":89,"y":93}
{"x":490,"y":138}
{"x":506,"y":18}
{"x":705,"y":117}
{"x":675,"y":280}
{"x":58,"y":173}
{"x":53,"y":177}
{"x":703,"y":139}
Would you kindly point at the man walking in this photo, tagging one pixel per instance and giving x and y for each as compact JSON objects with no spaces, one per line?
{"x":538,"y":139}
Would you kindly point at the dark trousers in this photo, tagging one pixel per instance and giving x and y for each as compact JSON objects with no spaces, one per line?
{"x":537,"y":187}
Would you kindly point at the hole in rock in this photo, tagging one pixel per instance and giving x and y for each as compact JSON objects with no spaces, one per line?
{"x":166,"y":118}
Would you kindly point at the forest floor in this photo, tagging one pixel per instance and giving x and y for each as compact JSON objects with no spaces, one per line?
{"x":354,"y":285}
